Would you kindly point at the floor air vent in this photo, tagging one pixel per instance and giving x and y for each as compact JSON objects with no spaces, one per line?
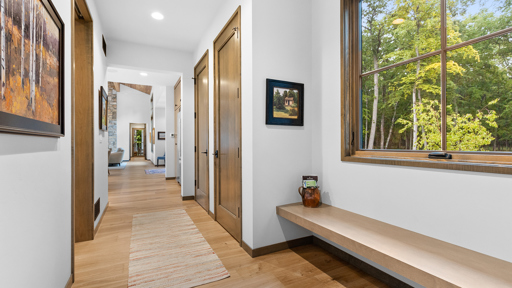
{"x":97,"y":209}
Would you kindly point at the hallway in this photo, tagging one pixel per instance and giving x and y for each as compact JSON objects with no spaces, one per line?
{"x":104,"y":261}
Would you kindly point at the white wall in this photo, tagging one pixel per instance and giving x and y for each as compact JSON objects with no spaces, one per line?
{"x":35,"y":177}
{"x":160,"y":123}
{"x":282,"y":153}
{"x":471,"y":210}
{"x":133,"y":106}
{"x":223,"y":15}
{"x":47,"y":196}
{"x":160,"y":127}
{"x":148,"y":58}
{"x":100,"y":137}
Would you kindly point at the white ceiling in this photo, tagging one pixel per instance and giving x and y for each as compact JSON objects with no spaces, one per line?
{"x":184,"y":24}
{"x":131,"y":76}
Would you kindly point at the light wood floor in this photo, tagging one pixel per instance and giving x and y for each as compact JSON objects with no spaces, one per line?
{"x":104,"y":261}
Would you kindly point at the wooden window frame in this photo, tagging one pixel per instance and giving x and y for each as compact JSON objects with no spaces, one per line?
{"x":489,"y":162}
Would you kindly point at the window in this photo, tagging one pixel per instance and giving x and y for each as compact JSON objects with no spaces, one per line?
{"x":428,"y":75}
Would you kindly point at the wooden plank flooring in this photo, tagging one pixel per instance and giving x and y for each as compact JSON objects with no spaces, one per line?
{"x":103,"y":262}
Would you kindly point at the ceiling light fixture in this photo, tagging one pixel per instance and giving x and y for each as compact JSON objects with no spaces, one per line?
{"x":157,"y":16}
{"x":144,"y":74}
{"x":398,"y":21}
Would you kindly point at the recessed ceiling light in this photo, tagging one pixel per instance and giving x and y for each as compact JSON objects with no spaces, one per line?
{"x":157,"y":16}
{"x":144,"y":74}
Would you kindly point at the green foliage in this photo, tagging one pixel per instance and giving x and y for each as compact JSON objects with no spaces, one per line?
{"x":464,"y":132}
{"x":279,"y":100}
{"x":138,"y":136}
{"x":294,"y":95}
{"x":479,"y":76}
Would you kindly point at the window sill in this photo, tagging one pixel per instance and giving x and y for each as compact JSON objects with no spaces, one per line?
{"x":419,"y":159}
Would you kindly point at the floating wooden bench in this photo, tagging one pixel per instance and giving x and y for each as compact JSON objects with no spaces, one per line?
{"x":422,"y":259}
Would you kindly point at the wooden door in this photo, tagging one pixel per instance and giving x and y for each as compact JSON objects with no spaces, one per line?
{"x":228,"y":202}
{"x":83,"y":127}
{"x":177,"y":106}
{"x":202,"y":126}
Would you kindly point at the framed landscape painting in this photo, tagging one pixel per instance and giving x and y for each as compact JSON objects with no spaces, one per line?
{"x":285,"y":103}
{"x":32,"y":68}
{"x":103,"y":109}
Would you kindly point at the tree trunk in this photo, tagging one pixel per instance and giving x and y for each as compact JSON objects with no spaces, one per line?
{"x":382,"y":118}
{"x":2,"y":8}
{"x":33,"y":56}
{"x":495,"y":148}
{"x":411,"y":145}
{"x":415,"y":116}
{"x":382,"y":131}
{"x":415,"y":120}
{"x":22,"y":44}
{"x":425,"y":144}
{"x":375,"y":103}
{"x":41,"y":49}
{"x":31,"y":46}
{"x":391,"y":128}
{"x":366,"y":126}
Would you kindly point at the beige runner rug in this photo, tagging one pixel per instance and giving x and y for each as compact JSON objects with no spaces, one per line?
{"x":167,"y":250}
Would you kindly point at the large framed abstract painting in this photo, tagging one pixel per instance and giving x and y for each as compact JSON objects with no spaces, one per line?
{"x":103,"y":109}
{"x":285,"y":103}
{"x":32,"y":68}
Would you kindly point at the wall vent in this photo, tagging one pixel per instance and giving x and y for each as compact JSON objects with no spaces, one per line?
{"x":97,"y":208}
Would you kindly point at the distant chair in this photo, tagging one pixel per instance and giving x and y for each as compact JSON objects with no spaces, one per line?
{"x":116,"y":157}
{"x":158,"y":160}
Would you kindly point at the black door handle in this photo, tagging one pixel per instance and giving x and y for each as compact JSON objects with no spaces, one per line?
{"x":216,"y":153}
{"x":205,"y":152}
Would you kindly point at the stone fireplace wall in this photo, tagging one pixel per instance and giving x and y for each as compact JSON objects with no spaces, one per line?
{"x":112,"y":117}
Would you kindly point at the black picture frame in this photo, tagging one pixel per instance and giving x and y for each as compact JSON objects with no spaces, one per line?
{"x":11,"y":123}
{"x":161,"y":135}
{"x":103,"y":109}
{"x":104,"y":45}
{"x":270,"y":118}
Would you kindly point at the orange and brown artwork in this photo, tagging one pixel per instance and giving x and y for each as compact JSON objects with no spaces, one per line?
{"x":30,"y":44}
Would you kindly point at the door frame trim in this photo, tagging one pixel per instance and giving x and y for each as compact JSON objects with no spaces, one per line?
{"x":197,"y":70}
{"x":177,"y":110}
{"x":216,"y":116}
{"x":84,"y":9}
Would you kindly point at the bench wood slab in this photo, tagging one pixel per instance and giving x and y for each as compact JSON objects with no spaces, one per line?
{"x":422,"y":259}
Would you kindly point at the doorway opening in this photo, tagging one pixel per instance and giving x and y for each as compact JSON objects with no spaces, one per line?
{"x":138,"y":140}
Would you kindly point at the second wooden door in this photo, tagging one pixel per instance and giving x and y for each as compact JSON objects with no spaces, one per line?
{"x":202,"y":126}
{"x":227,"y":128}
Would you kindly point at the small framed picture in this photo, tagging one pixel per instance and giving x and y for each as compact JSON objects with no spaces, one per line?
{"x":285,"y":103}
{"x":103,"y":109}
{"x":161,"y":135}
